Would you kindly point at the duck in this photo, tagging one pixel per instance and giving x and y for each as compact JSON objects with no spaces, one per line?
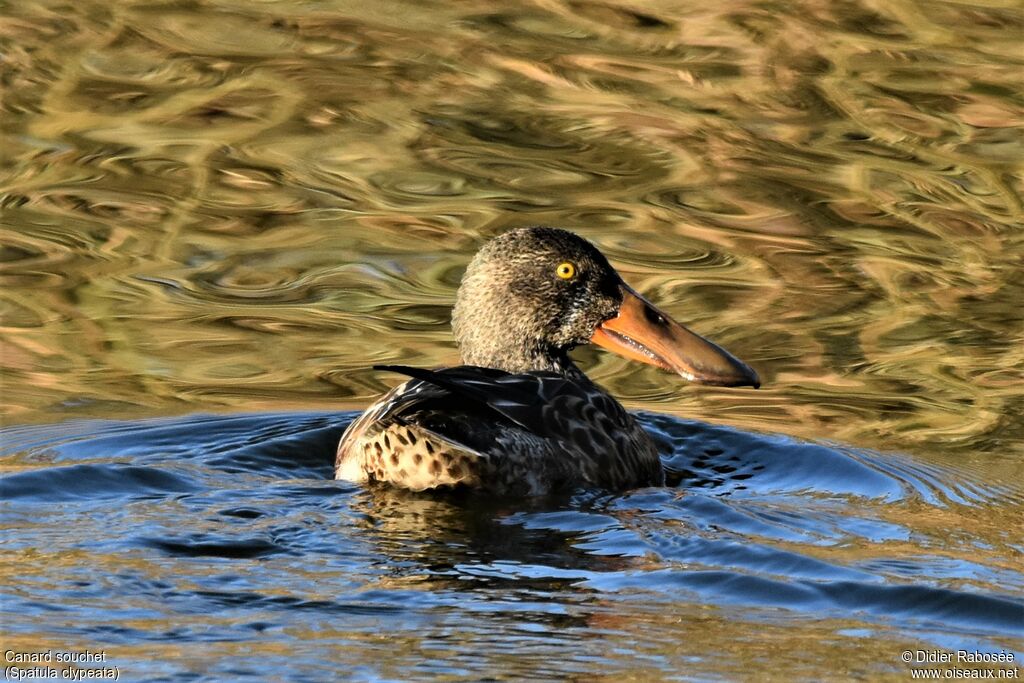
{"x":519,"y":417}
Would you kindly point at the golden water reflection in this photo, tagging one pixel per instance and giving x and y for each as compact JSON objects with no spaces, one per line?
{"x":240,"y":206}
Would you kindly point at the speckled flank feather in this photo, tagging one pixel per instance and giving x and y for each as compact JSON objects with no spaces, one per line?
{"x":410,"y":457}
{"x":382,"y":446}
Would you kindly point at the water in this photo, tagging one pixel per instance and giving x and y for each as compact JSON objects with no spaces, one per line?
{"x":218,"y":216}
{"x":223,"y":538}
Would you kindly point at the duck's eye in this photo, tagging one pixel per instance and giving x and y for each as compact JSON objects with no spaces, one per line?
{"x":565,"y":270}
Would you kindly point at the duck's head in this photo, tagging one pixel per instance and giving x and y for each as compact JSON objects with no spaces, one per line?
{"x":532,"y":294}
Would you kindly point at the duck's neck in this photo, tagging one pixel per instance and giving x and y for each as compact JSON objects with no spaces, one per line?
{"x":520,"y":358}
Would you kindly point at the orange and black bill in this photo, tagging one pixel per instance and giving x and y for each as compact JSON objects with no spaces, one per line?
{"x":641,"y":332}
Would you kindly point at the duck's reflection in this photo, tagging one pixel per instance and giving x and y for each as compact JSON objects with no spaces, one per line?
{"x":458,"y":539}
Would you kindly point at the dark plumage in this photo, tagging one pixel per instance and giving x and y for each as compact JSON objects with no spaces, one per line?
{"x":520,"y":417}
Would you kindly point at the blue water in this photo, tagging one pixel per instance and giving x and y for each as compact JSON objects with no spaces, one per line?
{"x":211,"y":547}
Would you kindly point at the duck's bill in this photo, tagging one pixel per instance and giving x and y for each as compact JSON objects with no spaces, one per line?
{"x":641,"y":332}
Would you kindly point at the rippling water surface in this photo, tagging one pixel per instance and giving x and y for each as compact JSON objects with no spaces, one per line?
{"x":219,"y":213}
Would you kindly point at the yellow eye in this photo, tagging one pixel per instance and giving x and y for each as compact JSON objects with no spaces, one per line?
{"x":565,"y":270}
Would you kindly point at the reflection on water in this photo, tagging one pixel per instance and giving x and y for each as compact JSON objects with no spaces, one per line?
{"x":231,"y":207}
{"x":240,"y":207}
{"x":215,"y":533}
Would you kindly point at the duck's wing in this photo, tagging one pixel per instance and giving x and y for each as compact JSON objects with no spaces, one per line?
{"x":530,"y":432}
{"x":577,"y":415}
{"x":400,"y":399}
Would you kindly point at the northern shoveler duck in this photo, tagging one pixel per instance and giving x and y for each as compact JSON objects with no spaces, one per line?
{"x":519,"y":417}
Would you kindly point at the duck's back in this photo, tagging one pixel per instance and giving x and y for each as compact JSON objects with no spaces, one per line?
{"x":528,"y":434}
